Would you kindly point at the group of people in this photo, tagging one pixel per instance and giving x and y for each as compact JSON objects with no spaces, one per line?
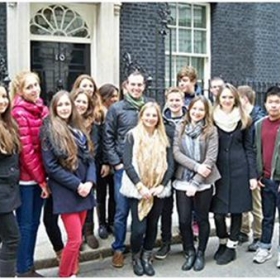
{"x":218,"y":154}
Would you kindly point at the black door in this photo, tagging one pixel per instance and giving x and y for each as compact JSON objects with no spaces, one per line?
{"x":58,"y":65}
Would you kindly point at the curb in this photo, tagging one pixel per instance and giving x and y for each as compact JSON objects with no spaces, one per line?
{"x":101,"y":253}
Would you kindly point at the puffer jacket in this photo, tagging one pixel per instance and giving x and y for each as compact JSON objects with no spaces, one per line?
{"x":29,"y":117}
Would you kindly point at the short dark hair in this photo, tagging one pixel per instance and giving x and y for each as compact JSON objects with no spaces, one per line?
{"x":274,"y":90}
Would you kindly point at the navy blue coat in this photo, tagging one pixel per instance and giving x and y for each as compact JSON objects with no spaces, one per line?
{"x":9,"y":183}
{"x":64,"y":183}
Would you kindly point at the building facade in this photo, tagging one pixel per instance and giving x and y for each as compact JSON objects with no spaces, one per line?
{"x":237,"y":41}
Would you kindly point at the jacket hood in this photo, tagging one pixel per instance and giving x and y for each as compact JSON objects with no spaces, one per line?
{"x":166,"y":114}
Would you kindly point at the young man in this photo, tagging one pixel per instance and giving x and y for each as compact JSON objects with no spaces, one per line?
{"x":121,"y":117}
{"x":172,"y":114}
{"x":267,"y":139}
{"x":247,"y":98}
{"x":187,"y":82}
{"x":217,"y":84}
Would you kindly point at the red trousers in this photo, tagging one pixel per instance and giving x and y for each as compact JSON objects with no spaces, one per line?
{"x":73,"y":223}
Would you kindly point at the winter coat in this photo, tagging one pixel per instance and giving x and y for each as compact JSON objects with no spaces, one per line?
{"x":237,"y":165}
{"x":209,"y":151}
{"x":171,"y":123}
{"x":189,"y":97}
{"x":29,"y":117}
{"x":63,"y":182}
{"x":9,"y":183}
{"x":120,"y":118}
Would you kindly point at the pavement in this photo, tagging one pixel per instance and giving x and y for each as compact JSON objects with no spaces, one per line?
{"x":45,"y":256}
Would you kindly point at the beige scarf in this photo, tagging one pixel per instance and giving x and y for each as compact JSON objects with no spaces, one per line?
{"x":226,"y":121}
{"x":151,"y":161}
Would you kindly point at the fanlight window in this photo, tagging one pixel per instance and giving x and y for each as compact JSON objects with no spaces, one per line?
{"x":58,"y":20}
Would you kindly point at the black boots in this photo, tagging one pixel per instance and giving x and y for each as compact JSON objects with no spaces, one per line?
{"x":190,"y":259}
{"x":220,"y":251}
{"x":147,"y":263}
{"x":91,"y":240}
{"x":228,"y":256}
{"x":199,"y":261}
{"x":137,"y":264}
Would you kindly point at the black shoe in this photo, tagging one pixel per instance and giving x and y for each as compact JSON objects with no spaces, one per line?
{"x":110,"y":228}
{"x":253,"y":247}
{"x":220,"y":251}
{"x":190,"y":259}
{"x":242,"y":237}
{"x":163,"y":251}
{"x":199,"y":261}
{"x":228,"y":256}
{"x":102,"y":232}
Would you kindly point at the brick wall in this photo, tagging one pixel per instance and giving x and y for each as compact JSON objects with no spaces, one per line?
{"x":3,"y":30}
{"x":245,"y":41}
{"x":138,"y":28}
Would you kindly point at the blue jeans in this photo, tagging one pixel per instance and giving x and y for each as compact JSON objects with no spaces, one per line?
{"x":122,"y":211}
{"x":28,"y":217}
{"x":270,"y":200}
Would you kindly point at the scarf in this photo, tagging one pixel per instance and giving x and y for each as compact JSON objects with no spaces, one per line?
{"x":192,"y":146}
{"x":151,"y":162}
{"x":135,"y":102}
{"x":226,"y":121}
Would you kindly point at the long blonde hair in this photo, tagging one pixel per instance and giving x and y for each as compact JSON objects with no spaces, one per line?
{"x":152,"y":148}
{"x":18,"y":83}
{"x":245,"y":118}
{"x":9,"y":135}
{"x":60,"y":134}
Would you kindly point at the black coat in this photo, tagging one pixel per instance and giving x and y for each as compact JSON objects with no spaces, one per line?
{"x":120,"y":118}
{"x":9,"y":183}
{"x":237,"y":165}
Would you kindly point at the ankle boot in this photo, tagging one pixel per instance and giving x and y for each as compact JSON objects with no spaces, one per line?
{"x":147,"y":263}
{"x":199,"y":261}
{"x":137,"y":264}
{"x":228,"y":256}
{"x":7,"y":268}
{"x":190,"y":259}
{"x":90,"y":239}
{"x":220,"y":251}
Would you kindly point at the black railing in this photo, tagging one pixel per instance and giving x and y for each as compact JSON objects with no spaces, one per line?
{"x":259,"y":87}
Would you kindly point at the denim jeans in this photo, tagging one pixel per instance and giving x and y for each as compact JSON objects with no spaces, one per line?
{"x":270,"y":200}
{"x":122,"y":211}
{"x":28,"y":217}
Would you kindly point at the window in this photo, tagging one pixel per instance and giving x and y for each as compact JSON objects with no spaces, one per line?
{"x":190,"y":43}
{"x":58,"y":20}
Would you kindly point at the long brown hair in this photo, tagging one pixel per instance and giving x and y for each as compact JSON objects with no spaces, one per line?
{"x":99,"y":114}
{"x":60,"y":134}
{"x":208,"y":115}
{"x":245,"y":118}
{"x":9,"y":135}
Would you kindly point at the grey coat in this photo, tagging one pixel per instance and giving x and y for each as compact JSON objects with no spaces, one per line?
{"x":209,"y":151}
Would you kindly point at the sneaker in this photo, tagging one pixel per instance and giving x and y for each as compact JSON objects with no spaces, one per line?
{"x":163,"y":251}
{"x":242,"y":238}
{"x":262,"y":255}
{"x":254,"y":246}
{"x":103,"y":232}
{"x":278,"y":261}
{"x":118,"y":259}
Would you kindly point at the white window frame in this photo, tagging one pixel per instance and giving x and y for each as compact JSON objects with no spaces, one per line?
{"x":175,"y":53}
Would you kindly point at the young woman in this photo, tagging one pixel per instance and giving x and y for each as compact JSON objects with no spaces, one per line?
{"x":9,"y":186}
{"x":237,"y":165}
{"x":94,"y":115}
{"x":195,"y":151}
{"x":148,"y":164}
{"x":68,"y":159}
{"x":105,"y":180}
{"x":29,"y":112}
